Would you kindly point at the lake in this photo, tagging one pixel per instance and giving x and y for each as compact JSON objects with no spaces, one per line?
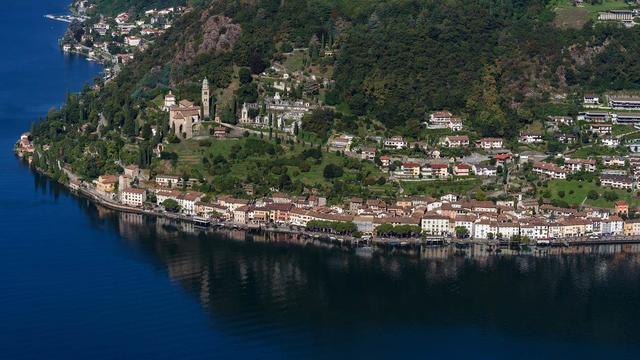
{"x":78,"y":281}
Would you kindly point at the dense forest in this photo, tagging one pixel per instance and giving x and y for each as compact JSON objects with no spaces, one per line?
{"x":499,"y":63}
{"x":495,"y":61}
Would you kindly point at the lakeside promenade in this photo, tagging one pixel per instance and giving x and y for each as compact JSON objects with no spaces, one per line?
{"x":379,"y":242}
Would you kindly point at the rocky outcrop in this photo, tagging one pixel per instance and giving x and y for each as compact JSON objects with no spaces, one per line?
{"x":219,"y":34}
{"x":214,"y":33}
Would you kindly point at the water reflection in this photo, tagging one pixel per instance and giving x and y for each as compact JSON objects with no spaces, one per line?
{"x":272,"y":287}
{"x":258,"y":283}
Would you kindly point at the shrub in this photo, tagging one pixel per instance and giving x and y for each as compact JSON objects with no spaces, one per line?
{"x":332,"y":171}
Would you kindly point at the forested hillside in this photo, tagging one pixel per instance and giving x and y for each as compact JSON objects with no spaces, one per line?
{"x":499,"y":64}
{"x":114,"y":7}
{"x":495,"y":61}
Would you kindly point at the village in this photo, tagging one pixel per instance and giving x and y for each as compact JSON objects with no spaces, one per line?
{"x":566,"y":175}
{"x":113,"y":41}
{"x":452,"y":215}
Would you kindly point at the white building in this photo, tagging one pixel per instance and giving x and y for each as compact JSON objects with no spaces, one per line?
{"x":433,"y":224}
{"x":169,"y":101}
{"x":455,"y":141}
{"x":617,"y":181}
{"x":133,"y":197}
{"x":576,"y":165}
{"x":490,"y":143}
{"x":610,"y":141}
{"x":591,"y":99}
{"x":531,"y":138}
{"x":395,"y":142}
{"x":132,"y":41}
{"x":483,"y":228}
{"x":550,"y":170}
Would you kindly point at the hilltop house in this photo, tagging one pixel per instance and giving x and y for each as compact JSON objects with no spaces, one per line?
{"x":617,"y":181}
{"x":455,"y":141}
{"x":550,"y":170}
{"x":591,"y":99}
{"x":601,"y":129}
{"x":575,"y":165}
{"x":490,"y":143}
{"x":622,"y":102}
{"x":530,"y":138}
{"x":395,"y":142}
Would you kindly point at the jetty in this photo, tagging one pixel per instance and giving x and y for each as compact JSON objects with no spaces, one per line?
{"x":66,"y":18}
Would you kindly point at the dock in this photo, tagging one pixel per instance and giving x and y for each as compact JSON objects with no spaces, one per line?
{"x":66,"y":18}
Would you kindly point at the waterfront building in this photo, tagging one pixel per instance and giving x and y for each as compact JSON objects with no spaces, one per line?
{"x":133,"y":197}
{"x":632,"y":227}
{"x":435,"y":224}
{"x":106,"y":184}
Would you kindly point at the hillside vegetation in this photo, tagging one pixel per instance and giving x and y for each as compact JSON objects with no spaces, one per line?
{"x":501,"y":65}
{"x":494,"y":61}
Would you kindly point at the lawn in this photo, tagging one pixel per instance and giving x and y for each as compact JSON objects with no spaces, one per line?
{"x":596,"y":150}
{"x":190,"y":154}
{"x":295,"y":61}
{"x":441,"y":187}
{"x":576,"y":191}
{"x":570,"y":16}
{"x":622,"y":129}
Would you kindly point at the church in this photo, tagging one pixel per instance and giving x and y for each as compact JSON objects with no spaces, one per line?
{"x":185,"y":117}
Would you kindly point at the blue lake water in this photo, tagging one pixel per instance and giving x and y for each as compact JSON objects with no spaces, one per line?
{"x":77,"y":281}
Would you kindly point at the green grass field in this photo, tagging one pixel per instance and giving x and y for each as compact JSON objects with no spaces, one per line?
{"x":190,"y":154}
{"x":576,"y":192}
{"x":570,"y":16}
{"x":596,"y":150}
{"x":294,"y":61}
{"x":622,"y":129}
{"x":440,"y":187}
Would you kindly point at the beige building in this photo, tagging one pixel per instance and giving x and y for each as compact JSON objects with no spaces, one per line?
{"x":183,"y":118}
{"x":632,"y":227}
{"x":106,"y":183}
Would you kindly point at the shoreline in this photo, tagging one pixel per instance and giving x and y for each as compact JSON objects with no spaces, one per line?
{"x":373,"y":243}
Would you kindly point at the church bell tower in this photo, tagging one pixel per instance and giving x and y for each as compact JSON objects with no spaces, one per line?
{"x":205,"y":98}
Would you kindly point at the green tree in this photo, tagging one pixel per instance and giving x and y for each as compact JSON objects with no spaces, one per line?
{"x":332,"y":171}
{"x":244,"y":75}
{"x":462,"y":232}
{"x":171,"y":205}
{"x":484,"y":104}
